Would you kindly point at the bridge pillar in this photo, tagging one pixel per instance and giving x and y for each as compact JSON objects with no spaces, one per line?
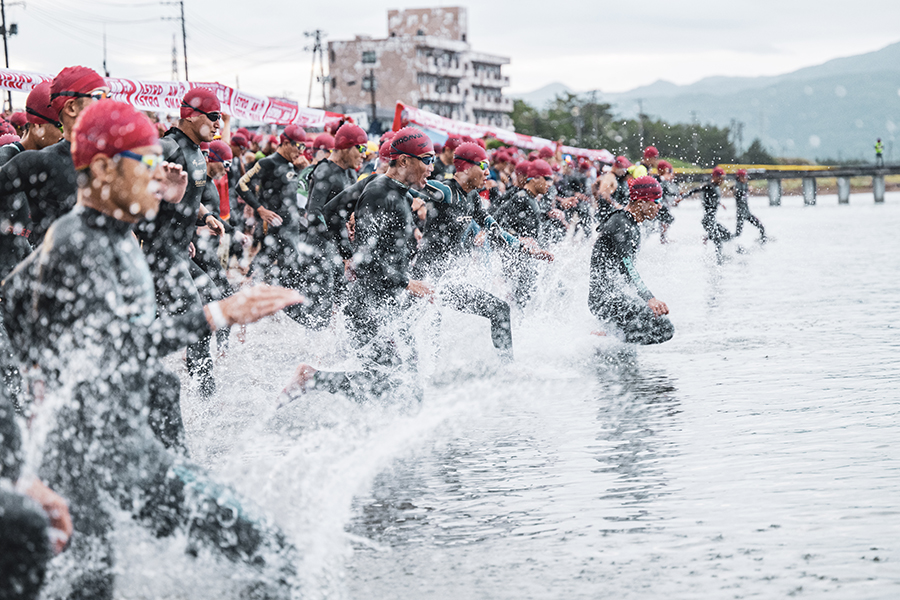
{"x":809,"y":191}
{"x":878,"y":187}
{"x":843,"y":184}
{"x":774,"y":192}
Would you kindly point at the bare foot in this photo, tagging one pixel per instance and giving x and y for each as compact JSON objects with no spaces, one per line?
{"x":599,"y":333}
{"x":302,"y":376}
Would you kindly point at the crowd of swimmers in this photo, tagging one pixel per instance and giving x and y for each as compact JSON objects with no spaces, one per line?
{"x":124,"y":240}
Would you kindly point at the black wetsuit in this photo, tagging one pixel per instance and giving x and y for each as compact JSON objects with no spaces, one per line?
{"x":327,"y":180}
{"x":617,"y":292}
{"x":47,"y":179}
{"x":715,"y":231}
{"x":670,"y":193}
{"x":24,"y":546}
{"x":282,"y":258}
{"x":443,"y":241}
{"x":521,"y":216}
{"x":576,"y":184}
{"x":442,"y":172}
{"x":385,"y":244}
{"x":741,"y":195}
{"x":10,"y":150}
{"x":83,"y":308}
{"x":166,"y":243}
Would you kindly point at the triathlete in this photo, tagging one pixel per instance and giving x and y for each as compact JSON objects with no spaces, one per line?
{"x":41,"y":131}
{"x":712,"y":195}
{"x":611,"y":190}
{"x":378,"y":302}
{"x":443,"y":165}
{"x":167,"y":238}
{"x":281,"y":258}
{"x":47,"y":177}
{"x":444,"y":239}
{"x":741,"y":196}
{"x":671,"y":196}
{"x":617,"y":293}
{"x":82,"y":309}
{"x":331,"y":176}
{"x":522,"y":216}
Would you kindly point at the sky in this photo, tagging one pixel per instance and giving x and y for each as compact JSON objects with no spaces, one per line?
{"x":260,"y":46}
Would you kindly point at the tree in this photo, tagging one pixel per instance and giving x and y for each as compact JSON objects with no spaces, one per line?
{"x":588,"y":124}
{"x":757,"y":154}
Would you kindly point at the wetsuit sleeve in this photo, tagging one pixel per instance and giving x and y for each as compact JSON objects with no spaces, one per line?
{"x":635,"y":278}
{"x":622,"y":246}
{"x":336,"y":214}
{"x":171,"y":333}
{"x":484,"y":220}
{"x":327,"y":182}
{"x":387,"y":242}
{"x":247,"y":183}
{"x":10,"y":438}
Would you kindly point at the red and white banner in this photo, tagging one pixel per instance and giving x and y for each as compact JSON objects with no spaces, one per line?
{"x":405,"y":115}
{"x":165,"y":96}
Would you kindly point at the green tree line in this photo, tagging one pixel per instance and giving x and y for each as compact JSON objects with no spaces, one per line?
{"x":587,"y":124}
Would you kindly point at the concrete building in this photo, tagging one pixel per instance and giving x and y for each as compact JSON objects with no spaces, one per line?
{"x":426,"y":62}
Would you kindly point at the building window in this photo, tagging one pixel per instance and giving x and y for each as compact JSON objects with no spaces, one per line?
{"x":368,"y":57}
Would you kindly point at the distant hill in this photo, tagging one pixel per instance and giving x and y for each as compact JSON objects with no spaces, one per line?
{"x":540,"y":97}
{"x":833,"y":110}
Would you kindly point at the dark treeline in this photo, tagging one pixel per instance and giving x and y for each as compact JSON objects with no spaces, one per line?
{"x":587,"y":124}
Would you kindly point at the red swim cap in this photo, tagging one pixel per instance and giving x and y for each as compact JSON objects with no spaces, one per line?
{"x":651,"y":152}
{"x":219,"y":152}
{"x":8,"y":138}
{"x":453,"y":142}
{"x":468,"y":155}
{"x":644,"y":189}
{"x":199,"y":99}
{"x":109,"y":128}
{"x":621,"y":163}
{"x":18,"y":119}
{"x":410,"y":140}
{"x":539,"y":168}
{"x":718,"y":171}
{"x":545,"y":152}
{"x":37,"y":106}
{"x":349,"y":135}
{"x":663,"y":166}
{"x":70,"y":81}
{"x":323,"y":141}
{"x":294,"y":133}
{"x":240,"y":141}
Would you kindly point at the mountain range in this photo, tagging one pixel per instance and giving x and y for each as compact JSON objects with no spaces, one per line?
{"x":834,"y":110}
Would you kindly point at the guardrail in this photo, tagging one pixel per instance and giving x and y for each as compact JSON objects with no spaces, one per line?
{"x":775,"y":174}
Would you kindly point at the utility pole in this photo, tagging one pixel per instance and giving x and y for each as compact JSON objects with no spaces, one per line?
{"x":105,"y":69}
{"x":174,"y":58}
{"x":317,"y":49}
{"x":13,"y":30}
{"x":183,"y":32}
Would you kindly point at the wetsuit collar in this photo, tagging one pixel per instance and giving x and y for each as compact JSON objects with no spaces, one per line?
{"x":95,"y":219}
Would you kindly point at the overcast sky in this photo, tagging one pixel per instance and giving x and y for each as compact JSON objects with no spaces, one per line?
{"x":583,"y":44}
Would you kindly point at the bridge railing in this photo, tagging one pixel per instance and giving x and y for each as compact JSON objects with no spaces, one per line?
{"x":775,"y":174}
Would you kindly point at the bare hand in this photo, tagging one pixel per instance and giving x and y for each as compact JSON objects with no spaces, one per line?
{"x":253,"y":303}
{"x":420,"y":289}
{"x":215,"y":226}
{"x":270,"y":217}
{"x":568,"y":203}
{"x":557,"y":214}
{"x":57,"y":511}
{"x":658,"y":307}
{"x":173,"y":182}
{"x":192,"y":251}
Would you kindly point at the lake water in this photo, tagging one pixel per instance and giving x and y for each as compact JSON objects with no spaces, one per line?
{"x":754,"y":455}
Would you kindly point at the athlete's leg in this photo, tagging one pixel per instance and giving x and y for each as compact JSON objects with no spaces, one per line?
{"x":24,"y":547}
{"x":473,"y":301}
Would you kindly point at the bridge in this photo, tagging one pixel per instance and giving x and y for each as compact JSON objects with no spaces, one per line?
{"x":775,"y":174}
